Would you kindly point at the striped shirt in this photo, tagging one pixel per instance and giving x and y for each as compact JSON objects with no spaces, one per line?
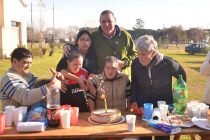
{"x":17,"y":90}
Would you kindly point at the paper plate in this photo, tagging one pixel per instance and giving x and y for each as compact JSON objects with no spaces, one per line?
{"x":122,"y":120}
{"x":201,"y":122}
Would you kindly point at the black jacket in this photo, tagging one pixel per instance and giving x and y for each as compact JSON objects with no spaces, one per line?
{"x":158,"y":86}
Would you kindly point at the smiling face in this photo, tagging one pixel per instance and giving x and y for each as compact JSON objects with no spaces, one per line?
{"x":22,"y":66}
{"x":84,"y":43}
{"x":75,"y":64}
{"x":108,"y":22}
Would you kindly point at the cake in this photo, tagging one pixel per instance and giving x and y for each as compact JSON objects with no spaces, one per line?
{"x":101,"y":116}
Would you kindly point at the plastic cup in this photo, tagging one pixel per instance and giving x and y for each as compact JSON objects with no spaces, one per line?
{"x":18,"y":116}
{"x":131,"y":122}
{"x":74,"y":115}
{"x":65,"y":118}
{"x":163,"y":111}
{"x":204,"y":111}
{"x":2,"y":123}
{"x":160,"y":103}
{"x":148,"y":110}
{"x":24,"y":111}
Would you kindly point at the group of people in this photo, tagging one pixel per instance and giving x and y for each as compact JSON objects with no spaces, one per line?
{"x":129,"y":74}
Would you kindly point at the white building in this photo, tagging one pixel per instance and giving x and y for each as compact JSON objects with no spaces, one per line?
{"x":13,"y":25}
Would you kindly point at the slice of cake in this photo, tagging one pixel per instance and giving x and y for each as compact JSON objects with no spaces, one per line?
{"x":101,"y":116}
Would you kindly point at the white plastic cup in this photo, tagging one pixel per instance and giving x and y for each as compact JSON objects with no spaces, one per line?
{"x":9,"y":108}
{"x":189,"y":109}
{"x":65,"y":118}
{"x":18,"y":116}
{"x":204,"y":111}
{"x":8,"y":117}
{"x":163,"y":111}
{"x":24,"y":111}
{"x":131,"y":122}
{"x":160,"y":103}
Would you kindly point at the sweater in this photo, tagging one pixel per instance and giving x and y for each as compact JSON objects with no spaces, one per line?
{"x":17,"y":90}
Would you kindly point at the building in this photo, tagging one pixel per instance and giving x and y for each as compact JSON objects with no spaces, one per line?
{"x":13,"y":24}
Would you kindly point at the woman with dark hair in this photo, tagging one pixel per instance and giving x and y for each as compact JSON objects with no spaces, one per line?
{"x":83,"y":46}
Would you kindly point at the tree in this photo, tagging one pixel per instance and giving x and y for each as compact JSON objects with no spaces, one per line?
{"x":139,"y":24}
{"x":195,"y":34}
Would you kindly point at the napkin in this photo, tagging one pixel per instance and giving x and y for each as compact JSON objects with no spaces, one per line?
{"x":30,"y":127}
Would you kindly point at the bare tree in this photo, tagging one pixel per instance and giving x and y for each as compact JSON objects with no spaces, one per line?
{"x":196,"y":34}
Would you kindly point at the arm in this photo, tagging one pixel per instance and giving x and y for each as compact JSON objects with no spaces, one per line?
{"x":134,"y":93}
{"x":71,"y":76}
{"x":177,"y":70}
{"x":17,"y":90}
{"x":131,"y":53}
{"x":205,"y":66}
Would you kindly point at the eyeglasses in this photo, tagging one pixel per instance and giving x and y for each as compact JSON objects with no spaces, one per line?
{"x":84,"y":40}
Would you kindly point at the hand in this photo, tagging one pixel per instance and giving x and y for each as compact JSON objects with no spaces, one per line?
{"x":82,"y":84}
{"x":54,"y":81}
{"x":66,"y":50}
{"x":63,"y":86}
{"x":91,"y":87}
{"x":121,"y":64}
{"x":138,"y":111}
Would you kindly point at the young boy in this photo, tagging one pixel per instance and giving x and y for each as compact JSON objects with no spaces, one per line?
{"x":115,"y":85}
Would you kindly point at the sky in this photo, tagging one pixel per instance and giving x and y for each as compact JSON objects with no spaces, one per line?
{"x":156,"y":14}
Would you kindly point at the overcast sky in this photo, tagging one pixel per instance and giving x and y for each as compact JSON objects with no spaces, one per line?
{"x":155,"y":13}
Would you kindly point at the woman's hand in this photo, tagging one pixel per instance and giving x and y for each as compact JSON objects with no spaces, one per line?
{"x":82,"y":83}
{"x":91,"y":87}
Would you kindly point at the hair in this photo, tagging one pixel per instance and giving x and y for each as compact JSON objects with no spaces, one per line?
{"x":20,"y":53}
{"x":82,"y":32}
{"x":74,"y":55}
{"x":146,"y":43}
{"x":106,"y":12}
{"x":111,"y":59}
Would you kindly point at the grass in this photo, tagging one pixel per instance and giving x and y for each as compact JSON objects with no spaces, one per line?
{"x":191,"y":63}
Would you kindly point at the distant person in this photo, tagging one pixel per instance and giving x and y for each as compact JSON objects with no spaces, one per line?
{"x":115,"y":84}
{"x":151,"y":76}
{"x":74,"y":95}
{"x":205,"y":70}
{"x":83,"y":46}
{"x":17,"y":84}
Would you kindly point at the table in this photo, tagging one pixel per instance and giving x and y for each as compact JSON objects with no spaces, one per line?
{"x":85,"y":129}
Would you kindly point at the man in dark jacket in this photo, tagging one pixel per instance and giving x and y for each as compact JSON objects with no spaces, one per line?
{"x":151,"y":75}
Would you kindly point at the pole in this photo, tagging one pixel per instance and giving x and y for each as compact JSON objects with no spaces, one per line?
{"x":53,"y":24}
{"x":31,"y":35}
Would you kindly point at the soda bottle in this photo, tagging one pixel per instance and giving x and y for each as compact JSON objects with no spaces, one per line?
{"x":180,"y":95}
{"x":53,"y":105}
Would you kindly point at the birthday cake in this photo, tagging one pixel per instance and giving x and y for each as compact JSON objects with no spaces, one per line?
{"x":101,"y":116}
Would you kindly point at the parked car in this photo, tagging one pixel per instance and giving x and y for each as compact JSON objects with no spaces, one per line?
{"x":197,"y":48}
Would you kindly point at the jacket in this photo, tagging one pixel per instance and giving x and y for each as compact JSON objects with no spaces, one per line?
{"x":120,"y":45}
{"x":205,"y":70}
{"x":116,"y":90}
{"x":153,"y":83}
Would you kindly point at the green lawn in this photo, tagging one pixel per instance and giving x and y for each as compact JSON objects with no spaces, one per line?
{"x":191,"y":63}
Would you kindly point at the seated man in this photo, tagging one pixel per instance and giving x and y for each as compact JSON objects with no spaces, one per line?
{"x":16,"y":85}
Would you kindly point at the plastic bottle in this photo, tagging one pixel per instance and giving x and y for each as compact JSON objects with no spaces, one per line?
{"x":180,"y":95}
{"x":53,"y":105}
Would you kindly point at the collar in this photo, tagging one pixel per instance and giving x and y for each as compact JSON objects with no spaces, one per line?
{"x":117,"y":32}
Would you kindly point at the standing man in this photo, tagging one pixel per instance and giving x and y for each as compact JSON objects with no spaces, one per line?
{"x":17,"y":84}
{"x":110,"y":40}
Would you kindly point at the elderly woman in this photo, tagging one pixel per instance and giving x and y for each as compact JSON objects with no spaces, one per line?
{"x":151,"y":74}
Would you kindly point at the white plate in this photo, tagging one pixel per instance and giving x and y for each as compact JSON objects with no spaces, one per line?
{"x":201,"y":122}
{"x":184,"y":124}
{"x":122,"y":120}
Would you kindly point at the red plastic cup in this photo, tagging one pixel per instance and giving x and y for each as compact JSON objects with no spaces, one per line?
{"x":2,"y":123}
{"x":74,"y":115}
